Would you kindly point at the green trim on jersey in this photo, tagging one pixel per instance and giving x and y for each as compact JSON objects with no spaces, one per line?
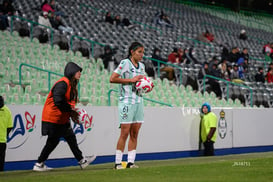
{"x":127,"y":70}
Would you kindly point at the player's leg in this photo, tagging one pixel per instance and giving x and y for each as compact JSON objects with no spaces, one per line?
{"x":2,"y":155}
{"x":132,"y":145}
{"x":50,"y":145}
{"x":209,"y":149}
{"x":125,"y":119}
{"x":54,"y":132}
{"x":72,"y":142}
{"x":124,"y":133}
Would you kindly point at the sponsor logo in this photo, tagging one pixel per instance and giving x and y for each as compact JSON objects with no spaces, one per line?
{"x":23,"y":126}
{"x":82,"y":130}
{"x":222,"y":125}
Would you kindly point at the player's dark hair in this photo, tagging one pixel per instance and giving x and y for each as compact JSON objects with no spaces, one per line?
{"x":134,"y":46}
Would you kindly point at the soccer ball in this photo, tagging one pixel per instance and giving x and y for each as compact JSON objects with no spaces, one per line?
{"x":145,"y":85}
{"x":82,"y":115}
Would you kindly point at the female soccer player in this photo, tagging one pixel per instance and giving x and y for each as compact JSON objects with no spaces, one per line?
{"x":131,"y":112}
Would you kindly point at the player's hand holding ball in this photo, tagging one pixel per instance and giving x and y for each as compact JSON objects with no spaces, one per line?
{"x":145,"y":85}
{"x":78,"y":115}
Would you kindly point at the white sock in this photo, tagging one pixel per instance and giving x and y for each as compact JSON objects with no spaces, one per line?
{"x":119,"y":155}
{"x":131,"y":156}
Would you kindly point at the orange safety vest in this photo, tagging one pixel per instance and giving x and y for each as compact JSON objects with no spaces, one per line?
{"x":51,"y":113}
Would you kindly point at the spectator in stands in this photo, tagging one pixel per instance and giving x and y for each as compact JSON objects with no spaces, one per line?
{"x":163,"y":20}
{"x":57,"y":23}
{"x":175,"y":57}
{"x":204,"y":70}
{"x":6,"y":9}
{"x":208,"y":129}
{"x":209,"y":36}
{"x":51,"y":6}
{"x":241,"y":69}
{"x":234,"y":55}
{"x":244,"y":54}
{"x":117,"y":21}
{"x":267,"y":48}
{"x":234,"y":76}
{"x":214,"y":82}
{"x":163,"y":67}
{"x":229,"y":70}
{"x":214,"y":85}
{"x":243,"y":35}
{"x":123,"y":22}
{"x":108,"y":18}
{"x":6,"y":125}
{"x":223,"y":70}
{"x":42,"y":31}
{"x":259,"y":77}
{"x":44,"y":20}
{"x":225,"y":51}
{"x":269,"y":76}
{"x":206,"y":37}
{"x":188,"y":57}
{"x":108,"y":57}
{"x":212,"y":62}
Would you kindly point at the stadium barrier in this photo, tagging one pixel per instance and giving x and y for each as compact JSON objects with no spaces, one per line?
{"x":169,"y":132}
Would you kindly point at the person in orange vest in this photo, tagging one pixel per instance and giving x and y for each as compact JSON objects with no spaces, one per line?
{"x":58,"y":108}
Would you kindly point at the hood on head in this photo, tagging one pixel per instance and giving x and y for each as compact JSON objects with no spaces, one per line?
{"x":71,"y":69}
{"x":207,"y":105}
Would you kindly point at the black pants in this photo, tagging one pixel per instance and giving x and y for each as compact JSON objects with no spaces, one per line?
{"x":209,"y":149}
{"x":55,"y":132}
{"x":3,"y":147}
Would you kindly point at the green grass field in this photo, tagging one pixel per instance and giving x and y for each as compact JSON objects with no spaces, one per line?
{"x":256,"y":167}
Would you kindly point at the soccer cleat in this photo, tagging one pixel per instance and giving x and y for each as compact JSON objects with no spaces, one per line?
{"x":86,"y":161}
{"x":118,"y":166}
{"x":41,"y":167}
{"x":131,"y":165}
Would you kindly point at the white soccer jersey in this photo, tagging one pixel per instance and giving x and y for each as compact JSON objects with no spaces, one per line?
{"x":127,"y":70}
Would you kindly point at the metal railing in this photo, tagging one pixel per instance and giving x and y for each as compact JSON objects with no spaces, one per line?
{"x":40,"y":69}
{"x":31,"y":27}
{"x":85,"y":39}
{"x":168,"y":64}
{"x":227,"y":82}
{"x":43,"y":70}
{"x":195,"y":41}
{"x":145,"y":98}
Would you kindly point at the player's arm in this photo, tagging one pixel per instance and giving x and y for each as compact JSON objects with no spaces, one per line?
{"x":59,"y":91}
{"x":115,"y":78}
{"x":211,"y":132}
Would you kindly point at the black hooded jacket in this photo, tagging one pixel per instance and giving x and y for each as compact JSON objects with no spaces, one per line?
{"x":59,"y":88}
